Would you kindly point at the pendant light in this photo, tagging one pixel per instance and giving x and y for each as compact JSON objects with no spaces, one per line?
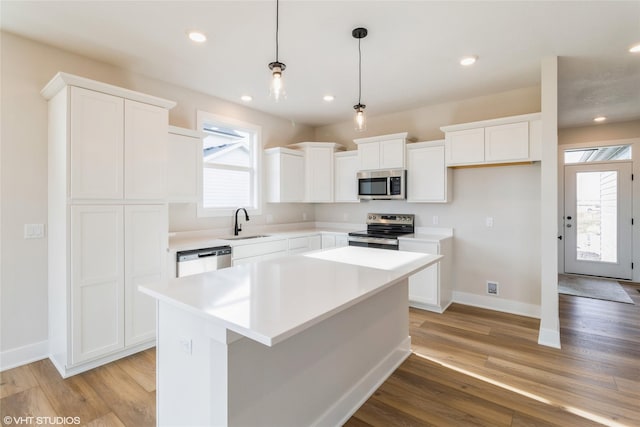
{"x":360,"y":120}
{"x":277,"y":67}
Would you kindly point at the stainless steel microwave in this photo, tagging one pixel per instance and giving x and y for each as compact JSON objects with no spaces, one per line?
{"x":382,"y":184}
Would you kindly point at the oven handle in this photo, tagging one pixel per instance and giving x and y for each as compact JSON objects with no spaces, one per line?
{"x":379,"y":240}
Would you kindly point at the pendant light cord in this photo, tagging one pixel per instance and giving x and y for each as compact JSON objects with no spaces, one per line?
{"x":277,"y":26}
{"x":359,"y":71}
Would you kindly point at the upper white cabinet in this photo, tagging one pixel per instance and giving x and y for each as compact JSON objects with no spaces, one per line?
{"x":318,"y":170}
{"x":382,"y":152}
{"x":346,"y":168}
{"x":184,"y":162}
{"x":107,"y":219}
{"x":117,"y":139}
{"x":428,"y":178}
{"x":285,"y":175}
{"x":506,"y":140}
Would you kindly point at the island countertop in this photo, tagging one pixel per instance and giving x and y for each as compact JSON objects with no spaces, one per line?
{"x":273,"y":300}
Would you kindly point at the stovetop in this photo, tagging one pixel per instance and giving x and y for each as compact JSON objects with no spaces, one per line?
{"x":387,"y":226}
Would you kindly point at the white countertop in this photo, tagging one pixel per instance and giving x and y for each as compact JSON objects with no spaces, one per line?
{"x":181,"y":241}
{"x":272,"y":300}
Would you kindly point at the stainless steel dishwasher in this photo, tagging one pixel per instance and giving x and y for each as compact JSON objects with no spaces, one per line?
{"x":198,"y":261}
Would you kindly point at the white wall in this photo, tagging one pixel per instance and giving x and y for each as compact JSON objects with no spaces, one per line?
{"x":26,"y":67}
{"x":508,"y":253}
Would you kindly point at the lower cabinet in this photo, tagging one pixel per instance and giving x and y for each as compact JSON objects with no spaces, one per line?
{"x":430,"y":289}
{"x":299,"y":245}
{"x":98,"y":314}
{"x":334,"y":240}
{"x":254,"y":252}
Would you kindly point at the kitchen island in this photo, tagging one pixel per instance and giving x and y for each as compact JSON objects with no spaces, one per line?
{"x":294,"y":341}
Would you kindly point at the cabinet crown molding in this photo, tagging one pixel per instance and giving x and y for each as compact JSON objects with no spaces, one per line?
{"x":62,"y":80}
{"x":492,"y":122}
{"x":186,"y":132}
{"x":306,"y":144}
{"x":401,"y":135}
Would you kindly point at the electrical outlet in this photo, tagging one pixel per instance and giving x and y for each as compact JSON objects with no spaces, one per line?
{"x":489,"y":222}
{"x":492,"y":287}
{"x":345,"y":216}
{"x":435,"y":220}
{"x":269,"y":218}
{"x":304,"y":216}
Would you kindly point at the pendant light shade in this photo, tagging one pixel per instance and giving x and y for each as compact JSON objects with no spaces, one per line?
{"x":360,"y":119}
{"x":277,"y":85}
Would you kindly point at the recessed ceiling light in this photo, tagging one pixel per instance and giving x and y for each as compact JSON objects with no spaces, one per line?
{"x":197,"y":37}
{"x":328,"y":98}
{"x":246,"y":98}
{"x":599,"y":119}
{"x":635,"y":48}
{"x":468,"y":60}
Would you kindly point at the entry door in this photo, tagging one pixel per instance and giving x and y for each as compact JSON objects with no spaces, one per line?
{"x":597,"y":219}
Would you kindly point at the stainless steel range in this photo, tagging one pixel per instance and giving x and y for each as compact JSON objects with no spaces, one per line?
{"x":383,"y":231}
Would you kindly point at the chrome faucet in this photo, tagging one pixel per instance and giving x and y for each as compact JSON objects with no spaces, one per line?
{"x":238,"y":227}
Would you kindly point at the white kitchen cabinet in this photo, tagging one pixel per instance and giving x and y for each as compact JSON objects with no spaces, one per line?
{"x":346,"y":183}
{"x":97,"y":282}
{"x":428,"y":178}
{"x":465,"y":146}
{"x":145,"y":151}
{"x":430,"y":289}
{"x":382,"y":152}
{"x":318,"y":170}
{"x":505,"y":140}
{"x":285,"y":175}
{"x":299,"y":245}
{"x":184,"y":161}
{"x":107,"y":219}
{"x":253,"y":252}
{"x":145,"y":246}
{"x":96,"y":142}
{"x":334,"y":240}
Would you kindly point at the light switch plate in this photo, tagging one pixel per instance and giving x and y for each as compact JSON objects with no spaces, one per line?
{"x":34,"y":231}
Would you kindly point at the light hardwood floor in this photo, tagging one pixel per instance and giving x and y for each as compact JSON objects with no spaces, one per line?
{"x":470,"y":367}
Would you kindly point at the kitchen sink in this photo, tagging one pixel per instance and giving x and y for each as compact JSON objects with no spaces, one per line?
{"x":255,"y":236}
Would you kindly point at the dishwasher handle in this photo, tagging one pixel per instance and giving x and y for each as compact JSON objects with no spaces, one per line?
{"x":192,"y":254}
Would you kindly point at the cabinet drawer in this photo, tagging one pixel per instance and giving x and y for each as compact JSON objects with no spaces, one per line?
{"x":422,"y":247}
{"x":262,"y":248}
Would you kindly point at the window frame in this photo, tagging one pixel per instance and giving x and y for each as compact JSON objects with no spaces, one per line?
{"x":203,"y":117}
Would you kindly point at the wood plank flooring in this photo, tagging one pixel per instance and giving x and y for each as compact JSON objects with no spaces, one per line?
{"x":470,"y":367}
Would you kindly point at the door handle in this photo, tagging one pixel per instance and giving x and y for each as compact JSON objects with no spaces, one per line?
{"x":569,"y":218}
{"x":568,"y":225}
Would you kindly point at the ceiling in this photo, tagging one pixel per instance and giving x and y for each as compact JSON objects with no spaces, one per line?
{"x":410,"y":57}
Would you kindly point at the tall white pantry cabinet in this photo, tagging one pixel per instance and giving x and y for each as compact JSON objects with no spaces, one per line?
{"x":108,"y":225}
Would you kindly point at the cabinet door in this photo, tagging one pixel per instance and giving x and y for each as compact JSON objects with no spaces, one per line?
{"x":319,"y":174}
{"x":145,"y":151}
{"x":392,"y":154}
{"x":97,"y":287}
{"x":369,"y":156}
{"x":506,"y":142}
{"x":424,"y":285}
{"x":183,"y":163}
{"x":96,"y":145}
{"x":328,"y":241}
{"x":342,"y":240}
{"x":426,"y":174}
{"x":146,"y":240}
{"x":346,"y":182}
{"x":465,"y":146}
{"x":292,"y":180}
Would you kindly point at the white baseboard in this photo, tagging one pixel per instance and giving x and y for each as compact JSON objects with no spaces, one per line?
{"x":351,"y":401}
{"x":549,"y":337}
{"x":22,"y":355}
{"x":498,"y":304}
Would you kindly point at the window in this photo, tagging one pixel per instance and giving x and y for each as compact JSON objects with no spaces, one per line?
{"x":230,"y":161}
{"x":598,"y":154}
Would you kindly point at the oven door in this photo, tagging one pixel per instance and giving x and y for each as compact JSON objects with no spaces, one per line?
{"x":374,"y":242}
{"x":372,"y":188}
